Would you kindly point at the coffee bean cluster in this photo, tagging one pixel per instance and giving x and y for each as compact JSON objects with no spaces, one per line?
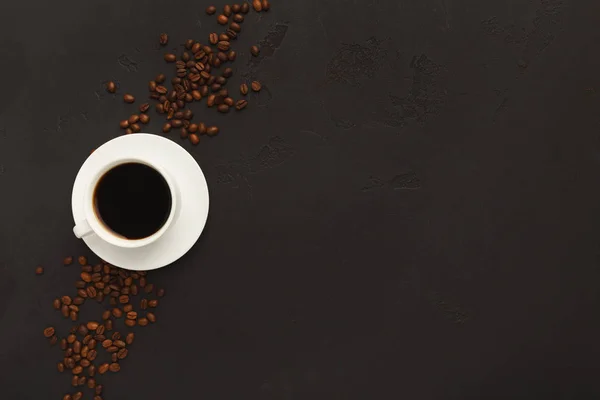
{"x":197,"y":76}
{"x":93,"y":348}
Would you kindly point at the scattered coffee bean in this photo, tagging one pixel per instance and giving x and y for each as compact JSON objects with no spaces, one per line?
{"x":68,"y":260}
{"x":166,"y":127}
{"x":170,"y":57}
{"x":111,"y":87}
{"x":133,"y":119}
{"x":91,"y":383}
{"x":256,"y":86}
{"x":39,"y":270}
{"x":77,"y":396}
{"x":103,"y":368}
{"x":128,"y":98}
{"x":136,"y":128}
{"x":142,"y":321}
{"x":77,"y":370}
{"x":130,"y":322}
{"x":144,"y":107}
{"x":144,"y":118}
{"x":231,"y":55}
{"x":234,"y":26}
{"x":115,"y":367}
{"x":212,"y":130}
{"x":213,"y":38}
{"x":257,"y":5}
{"x":151,"y":317}
{"x":92,"y":325}
{"x":222,"y":19}
{"x":210,"y":10}
{"x":241,"y":104}
{"x":163,"y":39}
{"x":124,"y":124}
{"x":161,"y":292}
{"x":194,"y":139}
{"x":254,"y":50}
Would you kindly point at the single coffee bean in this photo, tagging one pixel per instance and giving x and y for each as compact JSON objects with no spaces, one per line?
{"x":91,"y":383}
{"x":124,"y":124}
{"x":160,"y":292}
{"x":79,"y":300}
{"x":92,"y":344}
{"x":77,"y":347}
{"x":144,"y":107}
{"x":152,"y":86}
{"x":194,"y":139}
{"x":193,"y":128}
{"x":163,"y":39}
{"x":238,"y":18}
{"x":232,"y":34}
{"x":134,"y":290}
{"x":229,"y":101}
{"x":119,"y":343}
{"x":187,"y":114}
{"x":211,"y":100}
{"x":161,"y":89}
{"x":60,"y":366}
{"x":91,"y":355}
{"x":107,"y":343}
{"x":236,"y":8}
{"x":39,"y":270}
{"x":244,"y":89}
{"x":121,"y":354}
{"x":82,"y":293}
{"x":49,"y":332}
{"x":176,"y":123}
{"x":84,"y":362}
{"x":266,"y":5}
{"x":184,"y":133}
{"x":136,"y":128}
{"x":185,"y":56}
{"x":234,"y":26}
{"x":130,"y":322}
{"x":151,"y":317}
{"x":115,"y":367}
{"x":69,"y":363}
{"x":131,"y":315}
{"x":143,"y":321}
{"x":227,"y":72}
{"x":82,"y":260}
{"x":75,"y":381}
{"x":245,"y":8}
{"x":77,"y":370}
{"x":108,"y":325}
{"x":81,"y":380}
{"x":116,"y":336}
{"x":112,"y":349}
{"x":92,"y":370}
{"x":73,"y":315}
{"x":241,"y":104}
{"x":73,"y":307}
{"x":222,"y":19}
{"x":103,"y":368}
{"x":91,"y":291}
{"x":124,"y":299}
{"x":92,"y":325}
{"x":133,"y":119}
{"x":227,"y":10}
{"x":170,"y":57}
{"x":210,"y":10}
{"x":53,"y":340}
{"x":111,"y":87}
{"x":86,"y":339}
{"x":212,"y":130}
{"x":63,"y":344}
{"x":68,"y":260}
{"x":257,"y":5}
{"x":144,"y":118}
{"x":254,"y":50}
{"x":166,"y":128}
{"x":106,"y":315}
{"x":56,"y":304}
{"x":196,"y":47}
{"x":213,"y":38}
{"x":77,"y":396}
{"x":100,"y":330}
{"x":87,"y":268}
{"x":130,"y":338}
{"x":256,"y":86}
{"x":231,"y":55}
{"x":128,"y":98}
{"x":65,"y":310}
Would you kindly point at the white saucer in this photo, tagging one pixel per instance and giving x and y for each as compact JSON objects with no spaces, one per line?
{"x":182,"y":168}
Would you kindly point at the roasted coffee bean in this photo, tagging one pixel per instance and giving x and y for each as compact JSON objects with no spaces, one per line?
{"x":53,"y":340}
{"x":119,"y":343}
{"x":188,"y":98}
{"x":160,"y":292}
{"x":166,"y":127}
{"x":107,"y":343}
{"x":81,"y":284}
{"x":257,"y":4}
{"x":160,"y":78}
{"x":60,"y":366}
{"x":87,"y":268}
{"x":103,"y":368}
{"x":229,"y":101}
{"x":99,"y":390}
{"x":211,"y":100}
{"x":82,"y":330}
{"x":130,"y":338}
{"x":111,"y":87}
{"x":144,"y":107}
{"x":151,"y":317}
{"x":73,"y":316}
{"x":142,"y":321}
{"x":152,"y":86}
{"x":180,"y":64}
{"x":73,"y":307}
{"x":108,"y":325}
{"x":187,"y":114}
{"x":128,"y":98}
{"x":71,"y":339}
{"x":133,"y":119}
{"x":161,"y":89}
{"x":244,"y":89}
{"x":235,"y":8}
{"x":245,"y":8}
{"x":75,"y":381}
{"x":135,"y":128}
{"x":39,"y":270}
{"x":82,"y":293}
{"x":221,"y":80}
{"x":130,"y":322}
{"x":77,"y":396}
{"x":227,"y":72}
{"x":232,"y":34}
{"x":91,"y":355}
{"x":56,"y":304}
{"x":91,"y":291}
{"x":144,"y":302}
{"x":121,"y":354}
{"x":92,"y":370}
{"x":77,"y":347}
{"x":49,"y":332}
{"x":112,"y":349}
{"x":213,"y":38}
{"x":124,"y":299}
{"x":255,"y":51}
{"x":266,"y":5}
{"x":124,"y":124}
{"x":84,"y":362}
{"x":201,"y":128}
{"x":234,"y":26}
{"x":91,"y":383}
{"x":170,"y":57}
{"x":116,"y":336}
{"x":196,"y":47}
{"x":68,"y":260}
{"x":92,"y":325}
{"x":86,"y":277}
{"x":86,"y":339}
{"x":231,"y":55}
{"x":194,"y":139}
{"x":238,"y":18}
{"x":163,"y":39}
{"x":100,"y":330}
{"x":144,"y":118}
{"x":131,"y":315}
{"x":78,"y":300}
{"x":221,"y":37}
{"x":212,"y":130}
{"x":81,"y":380}
{"x":193,"y":128}
{"x":115,"y":367}
{"x":65,"y":310}
{"x":210,"y":10}
{"x":176,"y":123}
{"x":222,"y":19}
{"x":77,"y":370}
{"x":185,"y":56}
{"x":134,"y":290}
{"x":256,"y":86}
{"x":69,"y":363}
{"x":227,"y":10}
{"x":63,"y":344}
{"x":160,"y":108}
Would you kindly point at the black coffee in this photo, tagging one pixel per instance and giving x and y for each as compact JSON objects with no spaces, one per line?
{"x":133,"y":200}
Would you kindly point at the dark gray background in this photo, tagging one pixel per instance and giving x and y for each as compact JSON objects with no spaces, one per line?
{"x":409,"y":209}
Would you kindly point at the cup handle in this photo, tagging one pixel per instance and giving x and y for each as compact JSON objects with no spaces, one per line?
{"x":82,"y":229}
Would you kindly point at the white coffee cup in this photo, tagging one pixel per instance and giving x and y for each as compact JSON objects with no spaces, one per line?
{"x":93,"y":224}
